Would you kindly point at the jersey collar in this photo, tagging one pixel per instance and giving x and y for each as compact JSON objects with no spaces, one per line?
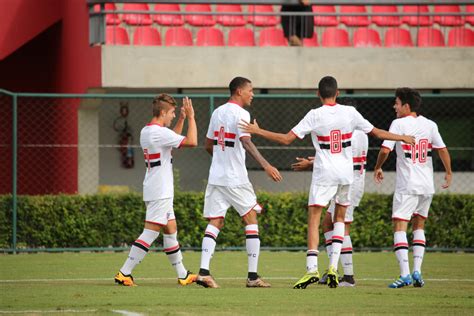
{"x":150,"y":124}
{"x":330,"y":104}
{"x":232,"y":102}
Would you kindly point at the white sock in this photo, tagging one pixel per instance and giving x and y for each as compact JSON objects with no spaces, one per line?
{"x":139,"y":250}
{"x":312,"y":260}
{"x":208,"y":245}
{"x":337,"y":239}
{"x":252,"y":243}
{"x":173,"y":252}
{"x":328,"y":242}
{"x":419,"y":244}
{"x":346,"y":256}
{"x":400,"y":246}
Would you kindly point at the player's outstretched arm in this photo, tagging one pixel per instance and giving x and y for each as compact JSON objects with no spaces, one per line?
{"x":271,"y":171}
{"x":284,"y":139}
{"x":446,"y":160}
{"x":303,"y":164}
{"x":383,"y":134}
{"x":191,"y":136}
{"x":382,"y":157}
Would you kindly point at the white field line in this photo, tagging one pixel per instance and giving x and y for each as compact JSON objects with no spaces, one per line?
{"x":223,"y":278}
{"x":50,"y":311}
{"x":126,"y":313}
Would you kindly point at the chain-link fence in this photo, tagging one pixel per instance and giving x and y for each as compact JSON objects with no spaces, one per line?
{"x":90,"y":143}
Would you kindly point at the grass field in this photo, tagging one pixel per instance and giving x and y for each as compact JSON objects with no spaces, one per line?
{"x":71,"y":283}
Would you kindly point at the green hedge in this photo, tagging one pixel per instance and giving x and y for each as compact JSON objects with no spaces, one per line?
{"x":64,"y":221}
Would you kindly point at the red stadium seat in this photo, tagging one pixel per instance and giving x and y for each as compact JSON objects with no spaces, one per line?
{"x":430,"y":37}
{"x":261,"y":20}
{"x":230,"y":20}
{"x":146,"y":36}
{"x":241,"y":36}
{"x":110,"y":19}
{"x":311,"y":42}
{"x":334,"y":37}
{"x":272,"y":37}
{"x":448,"y":20}
{"x":168,"y":19}
{"x":381,"y":20}
{"x":461,"y":36}
{"x":199,"y":20}
{"x":415,"y":19}
{"x":325,"y":20}
{"x":470,"y":18}
{"x":396,"y":37}
{"x":356,"y":20}
{"x":135,"y":18}
{"x":209,"y":36}
{"x":365,"y":37}
{"x":116,"y":35}
{"x":178,"y":36}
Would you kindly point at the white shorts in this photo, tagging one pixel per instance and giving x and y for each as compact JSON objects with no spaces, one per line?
{"x":356,"y":192}
{"x":159,"y":212}
{"x":218,"y":199}
{"x":407,"y":205}
{"x":321,"y":195}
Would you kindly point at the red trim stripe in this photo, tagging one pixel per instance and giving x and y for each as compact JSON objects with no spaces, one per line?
{"x":181,"y":144}
{"x":226,"y":135}
{"x":171,"y":248}
{"x":209,"y":233}
{"x":400,"y":244}
{"x":359,"y":159}
{"x":214,"y":217}
{"x":330,"y":104}
{"x":346,"y":249}
{"x":416,"y":214}
{"x":400,"y":219}
{"x":386,"y":147}
{"x":328,"y":138}
{"x":152,"y":156}
{"x":156,"y":223}
{"x":338,"y":237}
{"x":319,"y":205}
{"x":251,"y":232}
{"x":438,"y":148}
{"x":151,"y":124}
{"x":419,"y":241}
{"x":142,"y":242}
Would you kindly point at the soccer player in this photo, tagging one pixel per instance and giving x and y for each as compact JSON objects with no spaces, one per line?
{"x":229,"y":184}
{"x":414,"y":187}
{"x":359,"y":144}
{"x":331,"y":127}
{"x":157,"y":142}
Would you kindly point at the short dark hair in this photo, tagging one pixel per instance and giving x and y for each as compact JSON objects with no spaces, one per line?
{"x":327,"y":87}
{"x":163,"y":102}
{"x":411,"y":97}
{"x":236,"y":83}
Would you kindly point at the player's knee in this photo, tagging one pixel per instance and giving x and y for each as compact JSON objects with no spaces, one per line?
{"x":217,"y":222}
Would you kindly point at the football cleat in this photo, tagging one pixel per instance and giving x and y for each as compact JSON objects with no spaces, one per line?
{"x":307,"y":279}
{"x":126,"y":280}
{"x":324,"y":278}
{"x":333,"y":278}
{"x":258,"y":282}
{"x":417,"y":279}
{"x":189,"y":279}
{"x":347,"y":281}
{"x":401,"y":282}
{"x":206,"y":281}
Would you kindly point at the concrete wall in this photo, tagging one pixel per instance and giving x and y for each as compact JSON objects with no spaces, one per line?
{"x":287,"y":67}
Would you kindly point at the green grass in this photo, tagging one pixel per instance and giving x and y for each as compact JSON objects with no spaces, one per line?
{"x":43,"y":283}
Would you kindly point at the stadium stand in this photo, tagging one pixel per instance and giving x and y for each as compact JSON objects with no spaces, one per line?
{"x":199,"y":20}
{"x":230,"y":20}
{"x":116,"y":35}
{"x":168,"y":19}
{"x":356,"y":20}
{"x":449,"y":20}
{"x":430,"y":37}
{"x":209,"y":36}
{"x":135,"y":18}
{"x":415,"y":20}
{"x":365,"y":37}
{"x":261,"y":20}
{"x":460,"y":36}
{"x":146,"y":36}
{"x":398,"y":37}
{"x":311,"y":42}
{"x":470,"y":18}
{"x":241,"y":36}
{"x":178,"y":36}
{"x":110,"y":19}
{"x":381,"y":20}
{"x":272,"y":37}
{"x":325,"y":20}
{"x":335,"y":37}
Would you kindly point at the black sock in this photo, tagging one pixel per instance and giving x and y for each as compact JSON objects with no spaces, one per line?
{"x":252,"y":276}
{"x":204,"y":272}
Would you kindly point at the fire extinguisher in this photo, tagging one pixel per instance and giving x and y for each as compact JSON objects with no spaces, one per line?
{"x":125,"y":138}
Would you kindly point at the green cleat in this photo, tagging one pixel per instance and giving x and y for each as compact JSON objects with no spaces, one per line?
{"x":333,"y":278}
{"x":307,"y":279}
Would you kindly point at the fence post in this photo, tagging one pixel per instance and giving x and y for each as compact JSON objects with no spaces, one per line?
{"x":14,"y":170}
{"x":211,"y":105}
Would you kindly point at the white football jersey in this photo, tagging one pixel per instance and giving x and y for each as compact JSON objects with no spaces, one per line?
{"x":360,"y":146}
{"x":331,"y":127}
{"x":414,"y":163}
{"x":157,"y":142}
{"x":228,"y":158}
